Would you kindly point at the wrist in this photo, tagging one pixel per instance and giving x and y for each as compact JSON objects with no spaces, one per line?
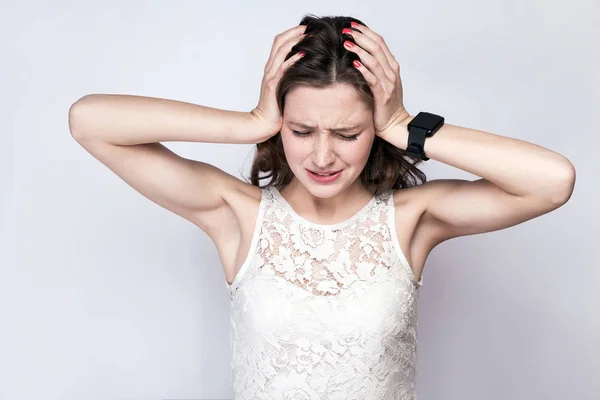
{"x":406,"y":120}
{"x":398,"y":134}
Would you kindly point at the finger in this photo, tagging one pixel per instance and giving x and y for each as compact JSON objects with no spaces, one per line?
{"x":392,"y":62}
{"x":369,"y":77}
{"x":287,"y":63}
{"x":371,"y":64}
{"x":373,"y":51}
{"x":282,"y":39}
{"x":279,"y":58}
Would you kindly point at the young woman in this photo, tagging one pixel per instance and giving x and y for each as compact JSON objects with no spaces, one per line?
{"x":323,"y":272}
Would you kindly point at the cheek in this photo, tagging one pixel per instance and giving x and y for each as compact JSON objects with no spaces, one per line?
{"x":296,"y":148}
{"x":290,"y":147}
{"x":357,"y":153}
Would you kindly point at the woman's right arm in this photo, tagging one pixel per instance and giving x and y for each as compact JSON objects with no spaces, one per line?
{"x":129,"y":120}
{"x":123,"y":132}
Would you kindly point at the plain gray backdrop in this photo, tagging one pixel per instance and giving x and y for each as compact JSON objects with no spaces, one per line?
{"x":105,"y":295}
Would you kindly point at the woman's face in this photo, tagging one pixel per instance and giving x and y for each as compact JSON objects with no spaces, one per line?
{"x":319,"y":113}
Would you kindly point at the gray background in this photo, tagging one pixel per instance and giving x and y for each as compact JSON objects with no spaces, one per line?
{"x":105,"y":295}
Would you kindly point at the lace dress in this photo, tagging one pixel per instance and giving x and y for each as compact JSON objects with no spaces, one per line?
{"x":324,"y":311}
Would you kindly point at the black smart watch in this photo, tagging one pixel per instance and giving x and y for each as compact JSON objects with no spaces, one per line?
{"x":422,"y":126}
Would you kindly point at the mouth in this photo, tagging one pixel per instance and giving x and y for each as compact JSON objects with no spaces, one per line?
{"x":325,"y":173}
{"x":325,"y":178}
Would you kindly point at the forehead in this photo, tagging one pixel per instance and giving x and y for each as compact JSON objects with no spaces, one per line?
{"x":331,"y":105}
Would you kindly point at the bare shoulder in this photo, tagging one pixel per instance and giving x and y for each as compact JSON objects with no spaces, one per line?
{"x":231,"y":226}
{"x":417,"y":199}
{"x":417,"y":234}
{"x":235,"y":225}
{"x":410,"y":204}
{"x":425,"y":192}
{"x":225,"y":224}
{"x":414,"y":198}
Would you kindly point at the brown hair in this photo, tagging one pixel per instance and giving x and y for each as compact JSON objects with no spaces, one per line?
{"x":326,"y":63}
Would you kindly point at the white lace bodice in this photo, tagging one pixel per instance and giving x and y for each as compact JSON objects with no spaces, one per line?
{"x":324,"y":311}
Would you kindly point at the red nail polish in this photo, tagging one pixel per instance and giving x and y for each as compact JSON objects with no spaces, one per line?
{"x":347,"y":31}
{"x":354,"y":24}
{"x":348,"y":44}
{"x":357,"y":63}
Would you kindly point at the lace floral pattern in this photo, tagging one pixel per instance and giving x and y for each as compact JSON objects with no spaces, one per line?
{"x":324,"y":311}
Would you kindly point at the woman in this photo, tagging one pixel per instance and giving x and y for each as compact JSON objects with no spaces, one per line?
{"x":323,"y":272}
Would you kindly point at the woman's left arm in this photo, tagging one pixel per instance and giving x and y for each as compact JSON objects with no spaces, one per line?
{"x":520,"y":180}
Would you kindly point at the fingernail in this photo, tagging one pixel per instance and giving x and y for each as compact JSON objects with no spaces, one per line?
{"x":357,"y":63}
{"x":301,"y":53}
{"x":354,"y":24}
{"x":347,"y":31}
{"x":348,"y":44}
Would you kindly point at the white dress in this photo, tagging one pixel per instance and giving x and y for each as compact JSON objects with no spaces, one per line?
{"x":324,"y":311}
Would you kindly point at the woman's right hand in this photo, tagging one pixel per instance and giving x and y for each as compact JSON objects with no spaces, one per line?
{"x":266,"y":113}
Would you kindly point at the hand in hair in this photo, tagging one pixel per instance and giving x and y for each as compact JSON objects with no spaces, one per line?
{"x":382,"y":72}
{"x":267,"y":111}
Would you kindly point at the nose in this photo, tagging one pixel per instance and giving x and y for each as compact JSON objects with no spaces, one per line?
{"x":324,"y":151}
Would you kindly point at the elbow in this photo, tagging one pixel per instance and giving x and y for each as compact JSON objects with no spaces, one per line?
{"x":76,"y":118}
{"x":566,"y":185}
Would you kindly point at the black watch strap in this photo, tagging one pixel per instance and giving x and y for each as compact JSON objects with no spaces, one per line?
{"x":416,"y":142}
{"x":421,"y":127}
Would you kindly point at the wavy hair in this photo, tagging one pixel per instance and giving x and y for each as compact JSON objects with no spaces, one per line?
{"x":327,"y":63}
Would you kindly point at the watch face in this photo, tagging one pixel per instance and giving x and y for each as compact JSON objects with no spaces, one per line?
{"x":427,"y":121}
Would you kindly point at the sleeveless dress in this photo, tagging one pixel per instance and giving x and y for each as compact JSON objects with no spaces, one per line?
{"x":324,"y":312}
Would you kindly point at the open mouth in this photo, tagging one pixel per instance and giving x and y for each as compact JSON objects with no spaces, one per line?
{"x":316,"y":173}
{"x":324,"y":178}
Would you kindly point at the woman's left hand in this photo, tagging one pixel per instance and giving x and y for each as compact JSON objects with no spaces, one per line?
{"x":382,"y":72}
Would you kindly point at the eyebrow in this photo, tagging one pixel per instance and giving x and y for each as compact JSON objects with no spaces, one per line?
{"x":340,"y":129}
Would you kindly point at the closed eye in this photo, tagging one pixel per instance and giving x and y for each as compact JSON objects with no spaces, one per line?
{"x":304,"y":134}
